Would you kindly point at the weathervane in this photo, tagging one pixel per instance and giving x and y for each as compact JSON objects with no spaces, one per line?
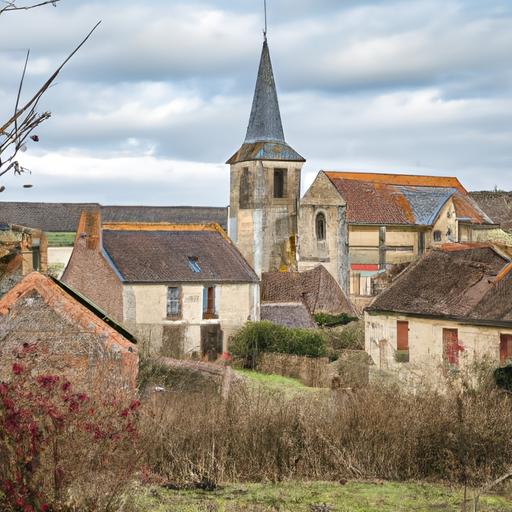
{"x":265,"y":29}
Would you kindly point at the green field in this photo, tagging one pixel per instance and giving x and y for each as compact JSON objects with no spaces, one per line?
{"x":322,"y":497}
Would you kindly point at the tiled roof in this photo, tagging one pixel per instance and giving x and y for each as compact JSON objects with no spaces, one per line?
{"x":71,"y":334}
{"x":497,"y":205}
{"x":64,"y":217}
{"x":400,"y":179}
{"x":448,"y":281}
{"x":316,"y":288}
{"x":378,"y":202}
{"x":163,"y":256}
{"x":292,"y":315}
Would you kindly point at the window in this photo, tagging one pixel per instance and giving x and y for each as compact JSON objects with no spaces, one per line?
{"x":452,"y":346}
{"x":173,"y":302}
{"x":194,"y":266}
{"x":320,"y":227}
{"x":505,"y":347}
{"x":209,"y":303}
{"x":437,"y":235}
{"x":402,"y":342}
{"x":279,"y":185}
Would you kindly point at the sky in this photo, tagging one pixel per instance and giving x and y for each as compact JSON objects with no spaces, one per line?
{"x":154,"y":103}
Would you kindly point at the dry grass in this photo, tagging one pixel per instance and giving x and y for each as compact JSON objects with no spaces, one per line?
{"x":376,"y":432}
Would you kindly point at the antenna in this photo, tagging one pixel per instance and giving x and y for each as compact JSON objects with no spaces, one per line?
{"x":265,"y":29}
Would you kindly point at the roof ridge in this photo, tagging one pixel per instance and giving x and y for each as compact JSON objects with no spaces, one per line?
{"x":399,"y":179}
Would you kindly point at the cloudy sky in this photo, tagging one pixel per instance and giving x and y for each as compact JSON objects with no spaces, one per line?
{"x":148,"y":111}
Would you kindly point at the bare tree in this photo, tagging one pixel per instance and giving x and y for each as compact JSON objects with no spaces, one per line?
{"x":16,"y":130}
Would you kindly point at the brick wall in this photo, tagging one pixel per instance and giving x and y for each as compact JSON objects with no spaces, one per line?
{"x":90,"y":273}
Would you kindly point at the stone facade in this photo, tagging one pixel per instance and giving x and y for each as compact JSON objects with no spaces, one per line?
{"x":263,"y":220}
{"x":183,"y":289}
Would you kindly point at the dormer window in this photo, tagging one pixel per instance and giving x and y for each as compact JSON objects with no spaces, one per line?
{"x":194,"y":266}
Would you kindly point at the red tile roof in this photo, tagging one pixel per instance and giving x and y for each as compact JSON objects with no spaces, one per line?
{"x":73,"y":340}
{"x":399,"y":179}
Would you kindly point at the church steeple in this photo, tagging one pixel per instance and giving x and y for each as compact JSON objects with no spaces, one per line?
{"x":265,"y":136}
{"x":265,"y":183}
{"x":265,"y":121}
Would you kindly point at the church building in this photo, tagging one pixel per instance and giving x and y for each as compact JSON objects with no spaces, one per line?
{"x":355,"y":224}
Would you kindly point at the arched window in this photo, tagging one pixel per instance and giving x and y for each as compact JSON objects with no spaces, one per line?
{"x":320,"y":227}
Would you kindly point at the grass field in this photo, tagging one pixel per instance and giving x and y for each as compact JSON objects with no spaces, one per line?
{"x":322,"y":497}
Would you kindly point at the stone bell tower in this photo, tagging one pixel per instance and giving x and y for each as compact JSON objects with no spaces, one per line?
{"x":265,"y":183}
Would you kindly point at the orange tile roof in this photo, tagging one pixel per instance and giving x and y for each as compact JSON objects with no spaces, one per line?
{"x":399,"y":179}
{"x":75,"y":314}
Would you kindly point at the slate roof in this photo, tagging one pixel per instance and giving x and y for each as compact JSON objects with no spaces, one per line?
{"x":264,"y":139}
{"x":405,"y":200}
{"x":453,"y":280}
{"x":163,"y":256}
{"x":64,"y":217}
{"x":316,"y":288}
{"x":293,"y":315}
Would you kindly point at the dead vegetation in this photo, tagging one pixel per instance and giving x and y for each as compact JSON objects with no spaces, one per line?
{"x":371,"y":433}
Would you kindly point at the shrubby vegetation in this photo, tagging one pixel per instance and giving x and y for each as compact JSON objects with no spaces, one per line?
{"x":332,"y":320}
{"x":62,"y":449}
{"x":66,"y":450}
{"x":258,"y":337}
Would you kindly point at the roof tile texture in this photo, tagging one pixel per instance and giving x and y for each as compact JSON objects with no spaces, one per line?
{"x":163,"y":256}
{"x":64,"y":217}
{"x":291,"y":315}
{"x":410,"y":200}
{"x":448,"y":281}
{"x":316,"y":288}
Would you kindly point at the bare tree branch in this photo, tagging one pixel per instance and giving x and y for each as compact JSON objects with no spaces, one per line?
{"x":26,"y":119}
{"x":11,"y":6}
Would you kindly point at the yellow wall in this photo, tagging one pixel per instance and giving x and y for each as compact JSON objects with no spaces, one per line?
{"x":236,"y":304}
{"x":426,"y":344}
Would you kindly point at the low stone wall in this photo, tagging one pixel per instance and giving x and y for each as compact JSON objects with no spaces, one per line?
{"x":349,"y":371}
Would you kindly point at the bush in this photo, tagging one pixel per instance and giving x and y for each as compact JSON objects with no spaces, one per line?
{"x":349,"y":336}
{"x":62,"y":448}
{"x":258,"y":337}
{"x":503,"y":377}
{"x":331,"y":320}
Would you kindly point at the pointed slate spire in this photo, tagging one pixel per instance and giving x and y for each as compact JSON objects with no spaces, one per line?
{"x":265,"y":121}
{"x":265,"y":137}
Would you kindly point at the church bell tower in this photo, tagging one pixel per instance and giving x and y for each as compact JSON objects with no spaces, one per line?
{"x":265,"y":183}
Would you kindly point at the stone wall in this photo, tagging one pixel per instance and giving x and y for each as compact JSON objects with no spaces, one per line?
{"x":349,"y":371}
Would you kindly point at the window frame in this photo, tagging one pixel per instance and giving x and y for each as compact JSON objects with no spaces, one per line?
{"x":320,"y":221}
{"x":177,"y":300}
{"x":279,"y":184}
{"x":505,"y":347}
{"x":210,"y":303}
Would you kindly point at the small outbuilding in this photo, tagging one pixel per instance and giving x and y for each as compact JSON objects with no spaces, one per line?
{"x":66,"y":335}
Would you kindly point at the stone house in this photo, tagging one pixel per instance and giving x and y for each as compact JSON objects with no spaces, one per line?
{"x":449,"y":309}
{"x":64,"y":334}
{"x":182,"y":288}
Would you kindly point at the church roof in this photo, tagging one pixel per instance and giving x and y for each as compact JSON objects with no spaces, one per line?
{"x":402,"y":199}
{"x":265,"y":121}
{"x":265,"y":136}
